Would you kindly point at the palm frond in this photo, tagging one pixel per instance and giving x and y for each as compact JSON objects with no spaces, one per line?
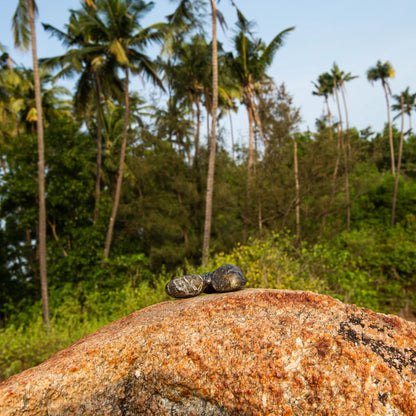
{"x":21,"y":24}
{"x":221,"y":20}
{"x":65,"y":38}
{"x":270,"y":50}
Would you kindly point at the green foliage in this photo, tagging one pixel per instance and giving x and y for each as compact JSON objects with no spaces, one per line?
{"x":375,"y":195}
{"x":387,"y":257}
{"x":274,"y":263}
{"x":371,"y":268}
{"x":160,"y":220}
{"x":77,"y":311}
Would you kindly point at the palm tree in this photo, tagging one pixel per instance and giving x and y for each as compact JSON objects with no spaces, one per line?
{"x":212,"y":150}
{"x":409,"y":104}
{"x":383,"y":72}
{"x":115,"y":27}
{"x":182,"y":21}
{"x":17,"y":101}
{"x":212,"y":105}
{"x":253,"y":58}
{"x":324,"y":87}
{"x":336,"y":76}
{"x":405,"y":103}
{"x":25,"y":35}
{"x":297,"y":187}
{"x":187,"y":67}
{"x":229,"y":92}
{"x":399,"y":161}
{"x":339,"y":78}
{"x":89,"y":60}
{"x":188,"y":77}
{"x":19,"y":109}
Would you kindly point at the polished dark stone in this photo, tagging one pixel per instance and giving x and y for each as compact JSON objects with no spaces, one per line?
{"x":227,"y":278}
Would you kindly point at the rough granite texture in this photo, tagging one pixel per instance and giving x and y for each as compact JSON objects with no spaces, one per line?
{"x":253,"y":352}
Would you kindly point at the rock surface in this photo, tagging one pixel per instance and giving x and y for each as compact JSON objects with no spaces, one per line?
{"x":253,"y":352}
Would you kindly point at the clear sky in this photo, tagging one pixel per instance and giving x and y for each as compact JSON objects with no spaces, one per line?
{"x":352,"y":33}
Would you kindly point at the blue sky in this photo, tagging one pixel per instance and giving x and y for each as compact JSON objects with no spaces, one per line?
{"x":354,"y":34}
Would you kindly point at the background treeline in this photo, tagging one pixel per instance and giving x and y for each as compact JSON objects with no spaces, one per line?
{"x":331,"y":210}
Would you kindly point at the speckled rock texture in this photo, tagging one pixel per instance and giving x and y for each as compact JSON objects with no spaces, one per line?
{"x":252,"y":352}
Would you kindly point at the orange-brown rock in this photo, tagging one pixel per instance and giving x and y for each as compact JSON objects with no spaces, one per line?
{"x":253,"y":352}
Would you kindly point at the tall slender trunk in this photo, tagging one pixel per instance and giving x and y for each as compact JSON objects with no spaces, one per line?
{"x":338,"y":104}
{"x":347,"y":158}
{"x":297,"y":188}
{"x":344,"y":151}
{"x":347,"y":135}
{"x":249,"y":174}
{"x":211,"y":165}
{"x":198,"y":129}
{"x":347,"y":183}
{"x":345,"y":106}
{"x":120,"y":170}
{"x":41,"y":172}
{"x":250,"y":160}
{"x":399,"y":161}
{"x":335,"y":172}
{"x":254,"y":179}
{"x":99,"y":148}
{"x":333,"y":184}
{"x":208,"y":132}
{"x":393,"y":167}
{"x":329,"y":117}
{"x":232,"y":136}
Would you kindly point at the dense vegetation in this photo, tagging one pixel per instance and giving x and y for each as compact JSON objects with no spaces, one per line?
{"x":331,"y":210}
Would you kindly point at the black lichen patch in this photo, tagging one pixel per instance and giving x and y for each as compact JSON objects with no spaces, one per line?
{"x":383,"y":329}
{"x":356,"y":320}
{"x":394,"y":357}
{"x":383,"y":398}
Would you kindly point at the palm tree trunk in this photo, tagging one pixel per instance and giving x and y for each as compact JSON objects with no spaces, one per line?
{"x":198,"y":129}
{"x":41,"y":171}
{"x":232,"y":136}
{"x":208,"y":132}
{"x":338,"y":104}
{"x":347,"y":136}
{"x":297,"y":188}
{"x":211,"y":165}
{"x":347,"y":184}
{"x":99,"y":148}
{"x":344,"y":150}
{"x":329,"y":117}
{"x":335,"y":172}
{"x":250,"y":160}
{"x":120,"y":170}
{"x":345,"y":107}
{"x":333,"y":183}
{"x":399,"y":161}
{"x":249,"y":173}
{"x":255,"y":114}
{"x":393,"y":168}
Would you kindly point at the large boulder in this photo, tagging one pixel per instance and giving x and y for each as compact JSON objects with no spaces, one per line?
{"x":253,"y":352}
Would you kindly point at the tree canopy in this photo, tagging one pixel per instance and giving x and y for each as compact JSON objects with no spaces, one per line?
{"x":131,"y":151}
